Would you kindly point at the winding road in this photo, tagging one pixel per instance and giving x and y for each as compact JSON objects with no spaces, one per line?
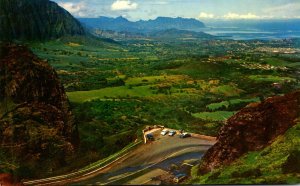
{"x":148,"y":159}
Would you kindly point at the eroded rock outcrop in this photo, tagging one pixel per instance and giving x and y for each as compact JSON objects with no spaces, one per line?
{"x":251,"y":129}
{"x":37,"y":130}
{"x":8,"y":180}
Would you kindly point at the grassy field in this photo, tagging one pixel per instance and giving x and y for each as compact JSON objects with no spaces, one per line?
{"x":114,"y":92}
{"x":156,"y":79}
{"x":227,"y":90}
{"x":297,"y":65}
{"x":226,"y":104}
{"x":276,"y":62}
{"x":214,"y":116}
{"x":270,"y":78}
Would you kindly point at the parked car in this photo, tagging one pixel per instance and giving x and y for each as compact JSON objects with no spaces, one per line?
{"x":185,"y":135}
{"x":172,"y":133}
{"x":150,"y":137}
{"x":179,"y":177}
{"x":164,"y":132}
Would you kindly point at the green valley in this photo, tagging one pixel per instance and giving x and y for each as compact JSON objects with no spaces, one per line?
{"x":140,"y":98}
{"x":117,"y":88}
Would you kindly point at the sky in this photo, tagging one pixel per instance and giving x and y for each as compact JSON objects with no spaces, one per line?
{"x":200,"y":9}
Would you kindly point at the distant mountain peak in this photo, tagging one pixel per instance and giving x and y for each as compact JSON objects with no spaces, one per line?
{"x":162,"y":17}
{"x":121,"y":18}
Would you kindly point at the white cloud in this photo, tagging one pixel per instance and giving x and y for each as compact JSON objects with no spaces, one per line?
{"x":284,"y":8}
{"x":71,"y":7}
{"x":79,"y":9}
{"x":231,"y":15}
{"x":159,"y":3}
{"x":290,"y":10}
{"x":204,"y":15}
{"x":123,"y":5}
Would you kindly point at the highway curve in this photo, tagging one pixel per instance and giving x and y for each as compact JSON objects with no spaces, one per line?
{"x":139,"y":161}
{"x":148,"y":156}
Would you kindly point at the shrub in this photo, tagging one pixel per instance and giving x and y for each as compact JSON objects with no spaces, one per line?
{"x":292,"y":163}
{"x":248,"y":173}
{"x":214,"y":175}
{"x":24,"y":171}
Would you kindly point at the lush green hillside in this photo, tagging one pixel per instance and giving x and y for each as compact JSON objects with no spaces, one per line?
{"x":258,"y":145}
{"x":277,"y":164}
{"x":35,"y":20}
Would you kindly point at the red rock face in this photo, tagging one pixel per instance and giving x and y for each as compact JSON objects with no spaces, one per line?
{"x":8,"y":180}
{"x":38,"y":126}
{"x":251,"y":129}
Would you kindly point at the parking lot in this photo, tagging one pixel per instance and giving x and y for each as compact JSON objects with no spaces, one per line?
{"x":156,"y":132}
{"x":155,"y":156}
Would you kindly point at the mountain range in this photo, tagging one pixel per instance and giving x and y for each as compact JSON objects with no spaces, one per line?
{"x":160,"y":23}
{"x":35,"y":20}
{"x":161,"y":34}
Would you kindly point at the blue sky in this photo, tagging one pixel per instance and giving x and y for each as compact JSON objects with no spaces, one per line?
{"x":200,"y":9}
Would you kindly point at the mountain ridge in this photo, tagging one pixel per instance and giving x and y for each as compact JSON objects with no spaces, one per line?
{"x":160,"y":23}
{"x":35,"y":20}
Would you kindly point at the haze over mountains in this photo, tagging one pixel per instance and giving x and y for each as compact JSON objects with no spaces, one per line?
{"x":232,"y":29}
{"x":283,"y":25}
{"x":160,"y":23}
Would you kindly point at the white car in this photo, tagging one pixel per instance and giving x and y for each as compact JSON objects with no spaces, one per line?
{"x":172,"y":133}
{"x":164,"y":132}
{"x":185,"y":135}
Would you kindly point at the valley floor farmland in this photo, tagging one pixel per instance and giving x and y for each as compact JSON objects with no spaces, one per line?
{"x":116,"y":89}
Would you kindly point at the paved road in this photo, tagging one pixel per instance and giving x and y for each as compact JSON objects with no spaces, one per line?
{"x":135,"y":165}
{"x":164,"y":150}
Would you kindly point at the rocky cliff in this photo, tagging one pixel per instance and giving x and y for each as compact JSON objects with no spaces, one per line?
{"x":8,"y":180}
{"x":37,"y":131}
{"x":251,"y":129}
{"x":35,"y":20}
